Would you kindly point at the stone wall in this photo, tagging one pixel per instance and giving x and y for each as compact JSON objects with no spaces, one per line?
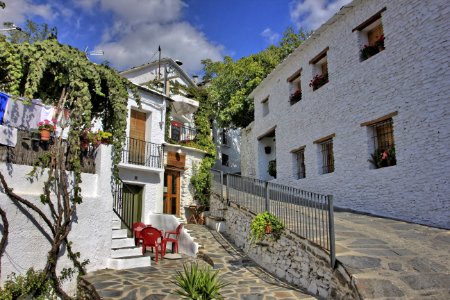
{"x":290,"y":258}
{"x":409,"y":77}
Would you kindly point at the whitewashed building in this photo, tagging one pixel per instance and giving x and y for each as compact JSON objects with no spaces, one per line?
{"x":227,"y":143}
{"x":161,"y":184}
{"x":371,"y":84}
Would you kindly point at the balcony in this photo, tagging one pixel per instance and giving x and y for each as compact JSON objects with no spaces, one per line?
{"x":141,"y":153}
{"x":30,"y":148}
{"x":182,"y":134}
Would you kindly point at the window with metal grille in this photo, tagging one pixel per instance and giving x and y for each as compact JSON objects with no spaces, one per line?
{"x":225,"y":160}
{"x":326,"y":148}
{"x":224,"y":137}
{"x":384,"y":145}
{"x":300,"y":156}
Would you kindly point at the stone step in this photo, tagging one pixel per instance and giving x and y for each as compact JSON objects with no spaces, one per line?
{"x":116,"y":224}
{"x":122,"y":243}
{"x":119,"y":233}
{"x":129,"y":262}
{"x":124,"y":252}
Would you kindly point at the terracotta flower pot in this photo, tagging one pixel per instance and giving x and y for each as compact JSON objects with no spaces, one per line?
{"x":268,"y":229}
{"x":45,"y":135}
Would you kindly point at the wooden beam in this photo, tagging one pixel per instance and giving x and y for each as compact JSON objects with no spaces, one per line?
{"x":294,"y":76}
{"x":369,"y":20}
{"x":325,"y":138}
{"x":380,"y":119}
{"x":298,"y":149}
{"x":267,"y":133}
{"x":319,"y":56}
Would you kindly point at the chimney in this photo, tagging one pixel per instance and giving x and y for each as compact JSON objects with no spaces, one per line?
{"x":195,"y":79}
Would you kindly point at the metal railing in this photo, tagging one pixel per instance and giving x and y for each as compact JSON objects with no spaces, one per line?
{"x":29,"y":148}
{"x":182,"y":133}
{"x":139,"y":152}
{"x":310,"y":215}
{"x":125,"y":204}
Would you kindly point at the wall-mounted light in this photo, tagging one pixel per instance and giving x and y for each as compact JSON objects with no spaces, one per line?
{"x":267,"y":149}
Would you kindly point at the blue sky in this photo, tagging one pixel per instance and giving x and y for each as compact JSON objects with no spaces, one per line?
{"x":130,"y":31}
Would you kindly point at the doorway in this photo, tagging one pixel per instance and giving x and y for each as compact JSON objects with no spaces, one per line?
{"x":171,"y":201}
{"x":131,"y":204}
{"x":137,"y":137}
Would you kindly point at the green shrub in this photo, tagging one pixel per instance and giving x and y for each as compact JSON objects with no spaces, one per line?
{"x":198,"y":283}
{"x":32,"y":284}
{"x":261,"y":222}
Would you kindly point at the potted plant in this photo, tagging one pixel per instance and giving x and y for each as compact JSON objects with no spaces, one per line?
{"x":383,"y":158}
{"x":370,"y":50}
{"x":295,"y":96}
{"x":265,"y":223}
{"x":272,"y":168}
{"x":45,"y":129}
{"x":104,"y":137}
{"x":318,"y":81}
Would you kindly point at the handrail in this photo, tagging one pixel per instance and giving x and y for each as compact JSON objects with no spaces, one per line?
{"x":143,"y":153}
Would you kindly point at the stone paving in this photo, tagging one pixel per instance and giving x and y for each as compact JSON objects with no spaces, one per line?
{"x":393,"y":259}
{"x":389,"y":260}
{"x":247,"y":280}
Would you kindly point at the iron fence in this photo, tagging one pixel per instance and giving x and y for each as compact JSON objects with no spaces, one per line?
{"x":310,"y":215}
{"x":126,"y":204}
{"x":139,"y":152}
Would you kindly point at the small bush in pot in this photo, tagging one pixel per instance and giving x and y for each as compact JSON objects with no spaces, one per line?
{"x":264,"y":223}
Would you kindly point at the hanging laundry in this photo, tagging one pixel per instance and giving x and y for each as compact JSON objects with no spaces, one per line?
{"x":8,"y":136}
{"x":47,"y":113}
{"x":3,"y":102}
{"x":22,"y":116}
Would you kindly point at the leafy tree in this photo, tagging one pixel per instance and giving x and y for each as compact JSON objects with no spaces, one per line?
{"x":230,"y":82}
{"x":31,"y":33}
{"x":62,"y":76}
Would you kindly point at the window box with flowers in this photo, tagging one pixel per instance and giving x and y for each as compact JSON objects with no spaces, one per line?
{"x":370,"y":50}
{"x":46,"y":128}
{"x":295,"y":97}
{"x":383,"y":158}
{"x":318,"y":81}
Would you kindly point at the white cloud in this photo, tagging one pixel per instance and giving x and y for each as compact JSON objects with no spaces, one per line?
{"x":270,"y":36}
{"x":140,"y":26}
{"x":178,"y":41}
{"x":18,"y":11}
{"x":310,"y":14}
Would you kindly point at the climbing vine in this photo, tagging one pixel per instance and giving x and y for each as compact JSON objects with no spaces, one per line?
{"x":62,"y":76}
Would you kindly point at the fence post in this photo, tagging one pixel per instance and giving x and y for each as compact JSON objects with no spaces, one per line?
{"x":228,"y":190}
{"x":266,"y":186}
{"x":331,"y":231}
{"x":221,"y":186}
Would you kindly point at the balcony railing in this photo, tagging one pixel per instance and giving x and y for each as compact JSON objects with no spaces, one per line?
{"x":29,"y":148}
{"x":182,"y":133}
{"x":142,"y":153}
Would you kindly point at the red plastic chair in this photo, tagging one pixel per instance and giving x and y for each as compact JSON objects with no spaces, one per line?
{"x":137,"y":233}
{"x":174,"y":241}
{"x":152,"y":237}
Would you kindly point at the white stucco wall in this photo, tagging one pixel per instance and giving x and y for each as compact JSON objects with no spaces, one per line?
{"x":91,"y":230}
{"x":410,"y":76}
{"x":231,"y":148}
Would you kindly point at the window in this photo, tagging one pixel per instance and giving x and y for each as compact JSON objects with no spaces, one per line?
{"x":295,"y":89}
{"x":381,"y":133}
{"x":224,"y":137}
{"x":320,"y":70}
{"x":326,"y":155}
{"x":383,"y":141}
{"x":371,"y":36}
{"x":265,"y":106}
{"x":300,"y":159}
{"x":224,"y":160}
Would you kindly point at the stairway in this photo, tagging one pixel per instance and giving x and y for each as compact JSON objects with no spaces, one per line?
{"x":124,"y":254}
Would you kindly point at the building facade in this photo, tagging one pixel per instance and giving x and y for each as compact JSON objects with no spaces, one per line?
{"x":361,"y":111}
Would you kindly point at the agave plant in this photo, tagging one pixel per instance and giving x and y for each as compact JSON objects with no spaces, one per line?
{"x":198,"y":283}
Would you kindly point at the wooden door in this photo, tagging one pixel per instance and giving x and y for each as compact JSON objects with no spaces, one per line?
{"x":131,"y":208}
{"x":171,"y":199}
{"x":137,"y":137}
